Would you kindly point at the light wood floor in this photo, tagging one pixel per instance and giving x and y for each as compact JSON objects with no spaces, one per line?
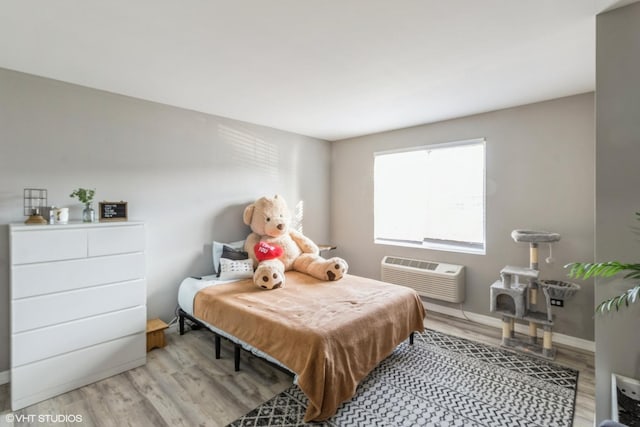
{"x":183,"y":384}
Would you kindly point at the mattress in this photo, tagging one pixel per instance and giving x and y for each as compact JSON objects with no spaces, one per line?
{"x":191,"y":286}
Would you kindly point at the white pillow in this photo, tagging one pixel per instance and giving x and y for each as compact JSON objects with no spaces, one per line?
{"x":236,"y":269}
{"x":218,"y":248}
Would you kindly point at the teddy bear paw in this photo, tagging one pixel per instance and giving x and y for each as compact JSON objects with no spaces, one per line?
{"x":337,"y":267}
{"x":268,"y":278}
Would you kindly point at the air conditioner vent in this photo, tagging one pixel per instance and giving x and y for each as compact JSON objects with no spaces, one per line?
{"x":422,"y":265}
{"x":430,"y":279}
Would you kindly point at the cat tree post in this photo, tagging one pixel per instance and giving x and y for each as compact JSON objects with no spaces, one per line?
{"x":507,"y":322}
{"x":547,"y":344}
{"x":507,"y":329}
{"x":533,"y":332}
{"x":533,"y":290}
{"x":533,"y":263}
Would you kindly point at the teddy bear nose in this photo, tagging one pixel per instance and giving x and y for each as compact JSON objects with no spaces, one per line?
{"x":280,"y":227}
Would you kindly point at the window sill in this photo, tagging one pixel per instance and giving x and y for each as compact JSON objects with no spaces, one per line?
{"x":445,"y":247}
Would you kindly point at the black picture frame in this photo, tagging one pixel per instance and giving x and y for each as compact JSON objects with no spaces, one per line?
{"x":113,"y":211}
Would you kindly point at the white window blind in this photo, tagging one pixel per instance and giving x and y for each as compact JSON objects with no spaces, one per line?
{"x":433,"y":196}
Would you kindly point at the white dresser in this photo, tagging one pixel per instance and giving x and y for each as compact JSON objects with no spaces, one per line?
{"x":78,"y":306}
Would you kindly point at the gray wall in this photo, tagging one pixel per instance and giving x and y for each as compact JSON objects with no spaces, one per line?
{"x":540,"y":175}
{"x":188,"y":175}
{"x":617,"y":184}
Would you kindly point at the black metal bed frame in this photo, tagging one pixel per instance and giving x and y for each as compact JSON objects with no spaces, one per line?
{"x":236,"y":346}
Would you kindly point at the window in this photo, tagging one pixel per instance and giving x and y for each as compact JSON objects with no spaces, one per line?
{"x":431,"y":196}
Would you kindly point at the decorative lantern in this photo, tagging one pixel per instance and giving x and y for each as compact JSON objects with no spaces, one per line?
{"x":35,"y":200}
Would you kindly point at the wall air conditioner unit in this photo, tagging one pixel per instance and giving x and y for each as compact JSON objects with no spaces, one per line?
{"x":430,"y":279}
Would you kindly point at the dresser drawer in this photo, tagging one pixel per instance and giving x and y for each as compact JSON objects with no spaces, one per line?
{"x":37,"y":279}
{"x":38,"y":344}
{"x":41,"y":380}
{"x":116,"y":240}
{"x":49,"y":245}
{"x":51,"y":309}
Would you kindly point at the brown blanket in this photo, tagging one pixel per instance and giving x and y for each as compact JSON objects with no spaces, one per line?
{"x":330,"y":334}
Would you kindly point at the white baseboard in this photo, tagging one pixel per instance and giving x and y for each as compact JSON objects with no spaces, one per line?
{"x":4,"y":377}
{"x":495,"y":322}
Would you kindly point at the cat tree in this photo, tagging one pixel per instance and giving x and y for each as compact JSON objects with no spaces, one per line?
{"x":519,"y":301}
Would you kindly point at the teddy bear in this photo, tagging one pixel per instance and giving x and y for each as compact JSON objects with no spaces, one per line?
{"x":275,"y":247}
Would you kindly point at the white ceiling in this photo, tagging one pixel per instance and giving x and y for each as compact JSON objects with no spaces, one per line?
{"x":331,"y":69}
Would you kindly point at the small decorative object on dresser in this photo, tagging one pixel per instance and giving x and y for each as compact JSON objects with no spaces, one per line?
{"x":113,"y":211}
{"x":35,"y":200}
{"x":86,"y":196}
{"x":61,"y":215}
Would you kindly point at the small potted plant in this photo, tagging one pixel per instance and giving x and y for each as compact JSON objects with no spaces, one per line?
{"x":85,"y":196}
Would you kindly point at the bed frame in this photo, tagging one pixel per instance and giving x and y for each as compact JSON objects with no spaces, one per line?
{"x":236,"y":346}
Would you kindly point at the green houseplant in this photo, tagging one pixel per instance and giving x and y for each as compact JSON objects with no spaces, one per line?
{"x":579,"y":270}
{"x":85,"y":196}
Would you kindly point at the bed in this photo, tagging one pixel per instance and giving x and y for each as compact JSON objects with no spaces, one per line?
{"x":330,"y":335}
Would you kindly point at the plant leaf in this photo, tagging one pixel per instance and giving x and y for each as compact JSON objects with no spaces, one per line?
{"x":633,"y":294}
{"x":585,"y":271}
{"x":630,"y":296}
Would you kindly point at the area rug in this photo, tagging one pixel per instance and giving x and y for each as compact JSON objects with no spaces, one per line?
{"x":443,"y":381}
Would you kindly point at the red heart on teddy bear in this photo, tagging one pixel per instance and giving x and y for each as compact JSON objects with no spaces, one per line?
{"x":265,"y":251}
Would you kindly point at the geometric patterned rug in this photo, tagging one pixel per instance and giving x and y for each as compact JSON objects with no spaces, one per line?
{"x":443,"y":381}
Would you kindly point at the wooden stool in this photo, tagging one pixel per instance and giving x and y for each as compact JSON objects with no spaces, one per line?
{"x":155,"y":334}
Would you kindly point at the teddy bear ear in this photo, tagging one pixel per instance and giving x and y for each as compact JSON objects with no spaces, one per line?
{"x":248,"y":214}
